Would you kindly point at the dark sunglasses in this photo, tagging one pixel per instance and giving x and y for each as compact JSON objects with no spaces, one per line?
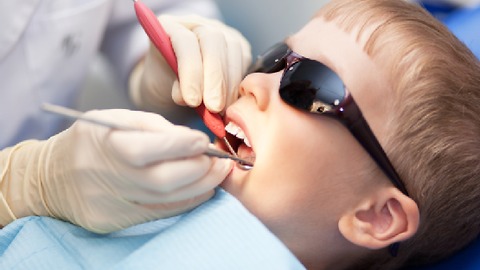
{"x":311,"y":86}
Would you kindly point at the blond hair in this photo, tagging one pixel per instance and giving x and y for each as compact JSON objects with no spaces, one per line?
{"x":435,"y":141}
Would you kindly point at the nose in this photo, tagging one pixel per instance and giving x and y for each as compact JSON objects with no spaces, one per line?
{"x":262,"y":87}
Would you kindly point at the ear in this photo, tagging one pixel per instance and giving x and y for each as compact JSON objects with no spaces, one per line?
{"x":384,"y":218}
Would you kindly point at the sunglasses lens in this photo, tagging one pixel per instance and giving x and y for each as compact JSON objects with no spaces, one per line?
{"x":272,"y":60}
{"x":311,"y":86}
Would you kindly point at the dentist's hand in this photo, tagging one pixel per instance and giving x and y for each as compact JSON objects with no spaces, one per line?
{"x":212,"y":60}
{"x":105,"y":180}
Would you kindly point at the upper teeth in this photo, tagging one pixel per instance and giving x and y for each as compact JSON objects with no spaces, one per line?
{"x":237,"y":132}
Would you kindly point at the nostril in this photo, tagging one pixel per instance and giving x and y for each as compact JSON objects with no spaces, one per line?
{"x":260,"y":86}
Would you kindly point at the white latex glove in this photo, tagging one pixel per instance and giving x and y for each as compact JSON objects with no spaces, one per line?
{"x":212,"y":60}
{"x":105,"y":180}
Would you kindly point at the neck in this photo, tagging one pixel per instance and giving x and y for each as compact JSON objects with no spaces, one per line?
{"x":337,"y":253}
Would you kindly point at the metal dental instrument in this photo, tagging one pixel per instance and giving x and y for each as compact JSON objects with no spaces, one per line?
{"x":161,"y":41}
{"x":78,"y":115}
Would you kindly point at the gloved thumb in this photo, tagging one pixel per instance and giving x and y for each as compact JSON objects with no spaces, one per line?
{"x":142,"y":148}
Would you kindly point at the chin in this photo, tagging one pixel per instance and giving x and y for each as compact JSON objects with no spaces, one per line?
{"x":235,"y":180}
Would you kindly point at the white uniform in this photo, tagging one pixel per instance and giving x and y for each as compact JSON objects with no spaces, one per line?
{"x":46,"y":47}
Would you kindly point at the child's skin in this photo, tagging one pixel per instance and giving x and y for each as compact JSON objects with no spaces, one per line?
{"x":313,"y":185}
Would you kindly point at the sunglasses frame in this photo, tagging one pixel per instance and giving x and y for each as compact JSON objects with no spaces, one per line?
{"x":346,"y":110}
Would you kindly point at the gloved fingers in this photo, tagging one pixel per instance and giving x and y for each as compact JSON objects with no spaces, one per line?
{"x":152,"y":199}
{"x":246,"y":50}
{"x":177,"y":207}
{"x":166,"y":190}
{"x":213,"y":178}
{"x":214,"y":50}
{"x":225,"y":54}
{"x":157,"y":139}
{"x":189,"y":58}
{"x":150,"y":82}
{"x":239,"y":58}
{"x":141,"y":212}
{"x":177,"y":94}
{"x":145,"y":148}
{"x":168,"y":176}
{"x":131,"y":119}
{"x":235,"y":73}
{"x":189,"y":21}
{"x":159,"y":74}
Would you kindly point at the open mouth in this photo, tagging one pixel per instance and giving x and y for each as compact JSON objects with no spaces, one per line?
{"x":240,"y":143}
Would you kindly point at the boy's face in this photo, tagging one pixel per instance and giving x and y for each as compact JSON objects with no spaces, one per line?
{"x":308,"y":168}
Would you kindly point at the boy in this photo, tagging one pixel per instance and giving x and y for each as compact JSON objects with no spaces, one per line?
{"x":418,"y":88}
{"x":323,"y":185}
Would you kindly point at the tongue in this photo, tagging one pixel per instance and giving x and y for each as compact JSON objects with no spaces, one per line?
{"x":246,"y":152}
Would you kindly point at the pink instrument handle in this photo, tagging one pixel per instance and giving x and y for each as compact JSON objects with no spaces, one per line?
{"x":161,"y":41}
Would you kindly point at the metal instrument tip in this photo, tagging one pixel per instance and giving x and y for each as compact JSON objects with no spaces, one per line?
{"x":230,"y":148}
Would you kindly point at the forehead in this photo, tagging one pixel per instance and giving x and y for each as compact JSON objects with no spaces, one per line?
{"x":343,"y":52}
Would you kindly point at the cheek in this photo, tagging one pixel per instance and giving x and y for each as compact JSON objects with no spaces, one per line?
{"x":296,"y":166}
{"x":300,"y":148}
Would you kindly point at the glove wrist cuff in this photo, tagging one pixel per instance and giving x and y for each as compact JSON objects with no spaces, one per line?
{"x":6,"y":182}
{"x":20,"y":182}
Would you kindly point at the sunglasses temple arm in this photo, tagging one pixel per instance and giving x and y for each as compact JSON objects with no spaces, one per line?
{"x":359,"y":127}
